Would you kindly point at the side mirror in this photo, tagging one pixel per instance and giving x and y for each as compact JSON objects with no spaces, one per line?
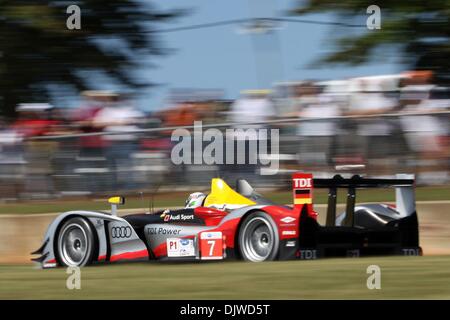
{"x":115,"y":201}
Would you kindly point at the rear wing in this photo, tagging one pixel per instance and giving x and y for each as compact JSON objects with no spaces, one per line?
{"x":303,"y":185}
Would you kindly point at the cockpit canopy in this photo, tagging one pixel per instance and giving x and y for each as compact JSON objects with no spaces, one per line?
{"x":222,"y":196}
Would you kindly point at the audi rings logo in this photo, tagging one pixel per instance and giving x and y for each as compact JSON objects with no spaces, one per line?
{"x":121,"y":232}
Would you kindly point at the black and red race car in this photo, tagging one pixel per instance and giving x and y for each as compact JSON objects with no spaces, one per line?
{"x":241,"y":224}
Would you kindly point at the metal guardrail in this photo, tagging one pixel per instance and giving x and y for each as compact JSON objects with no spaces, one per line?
{"x":64,"y":170}
{"x":232,"y":124}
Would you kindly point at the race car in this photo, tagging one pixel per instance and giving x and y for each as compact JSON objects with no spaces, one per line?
{"x":241,"y":224}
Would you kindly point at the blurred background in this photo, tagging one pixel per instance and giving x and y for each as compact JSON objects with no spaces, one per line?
{"x":88,"y":112}
{"x":84,"y":112}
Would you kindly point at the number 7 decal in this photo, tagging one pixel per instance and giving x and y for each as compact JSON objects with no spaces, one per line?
{"x":211,"y":248}
{"x":211,"y":245}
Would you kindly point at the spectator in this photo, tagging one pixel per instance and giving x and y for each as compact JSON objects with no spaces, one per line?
{"x":119,"y":119}
{"x":34,"y":120}
{"x":253,"y":106}
{"x":91,"y":160}
{"x":317,"y":137}
{"x":372,"y":132}
{"x":425,"y":134}
{"x":11,"y":162}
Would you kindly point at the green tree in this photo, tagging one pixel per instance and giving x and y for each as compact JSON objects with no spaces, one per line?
{"x":37,"y":49}
{"x":417,"y":30}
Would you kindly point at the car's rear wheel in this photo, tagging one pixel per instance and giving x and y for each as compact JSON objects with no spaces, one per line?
{"x":258,"y":238}
{"x":76,"y":243}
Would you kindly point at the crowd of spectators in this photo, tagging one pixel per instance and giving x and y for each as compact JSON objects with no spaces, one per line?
{"x":378,"y":125}
{"x":375,"y":120}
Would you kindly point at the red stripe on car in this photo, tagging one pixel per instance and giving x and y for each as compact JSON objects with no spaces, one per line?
{"x":130,"y":255}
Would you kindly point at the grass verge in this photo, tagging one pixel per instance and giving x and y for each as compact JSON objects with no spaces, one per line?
{"x":401,"y":278}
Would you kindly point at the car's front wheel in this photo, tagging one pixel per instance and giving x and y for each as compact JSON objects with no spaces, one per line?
{"x":258,"y":238}
{"x":76,"y":243}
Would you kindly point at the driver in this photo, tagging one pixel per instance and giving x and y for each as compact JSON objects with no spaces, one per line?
{"x":195,"y":200}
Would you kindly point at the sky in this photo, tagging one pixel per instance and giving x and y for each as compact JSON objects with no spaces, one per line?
{"x":225,"y":58}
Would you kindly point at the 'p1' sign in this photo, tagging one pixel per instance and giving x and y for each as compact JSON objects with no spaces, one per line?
{"x":302,"y":185}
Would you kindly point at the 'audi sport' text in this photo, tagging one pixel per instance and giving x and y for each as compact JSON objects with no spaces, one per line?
{"x":179,"y":217}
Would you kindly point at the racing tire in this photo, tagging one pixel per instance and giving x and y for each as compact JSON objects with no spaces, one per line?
{"x":258,"y":238}
{"x":76,"y":243}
